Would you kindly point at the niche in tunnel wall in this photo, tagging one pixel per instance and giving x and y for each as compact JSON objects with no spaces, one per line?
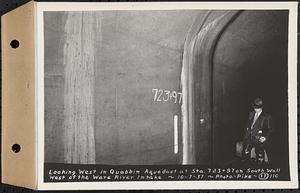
{"x":250,"y":61}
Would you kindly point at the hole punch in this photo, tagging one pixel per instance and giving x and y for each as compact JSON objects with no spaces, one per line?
{"x":14,"y":44}
{"x":16,"y":148}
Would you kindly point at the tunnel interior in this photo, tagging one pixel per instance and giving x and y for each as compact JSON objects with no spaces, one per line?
{"x":250,"y":61}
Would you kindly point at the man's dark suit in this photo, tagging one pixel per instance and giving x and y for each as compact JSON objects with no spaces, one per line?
{"x":261,"y":128}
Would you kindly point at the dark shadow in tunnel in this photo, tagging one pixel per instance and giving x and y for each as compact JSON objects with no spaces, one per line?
{"x":251,"y":60}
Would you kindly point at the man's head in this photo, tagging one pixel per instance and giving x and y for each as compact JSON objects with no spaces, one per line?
{"x":257,"y":104}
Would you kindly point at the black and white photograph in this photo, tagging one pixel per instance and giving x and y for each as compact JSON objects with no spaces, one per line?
{"x":166,"y":95}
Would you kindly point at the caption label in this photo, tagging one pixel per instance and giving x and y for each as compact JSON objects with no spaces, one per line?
{"x":148,"y":174}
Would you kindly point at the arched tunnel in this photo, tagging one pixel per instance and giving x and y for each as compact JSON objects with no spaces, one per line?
{"x":231,"y":58}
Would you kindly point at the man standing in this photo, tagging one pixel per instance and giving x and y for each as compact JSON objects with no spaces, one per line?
{"x":256,"y":139}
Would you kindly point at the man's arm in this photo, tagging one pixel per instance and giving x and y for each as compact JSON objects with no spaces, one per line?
{"x":267,"y":128}
{"x":248,"y":125}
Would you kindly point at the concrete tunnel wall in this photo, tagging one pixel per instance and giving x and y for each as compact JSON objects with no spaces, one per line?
{"x":138,"y":51}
